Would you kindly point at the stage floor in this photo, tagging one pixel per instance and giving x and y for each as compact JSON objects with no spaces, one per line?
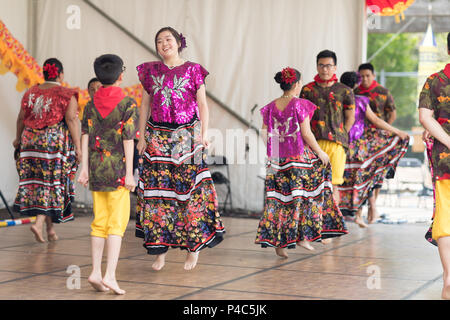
{"x":381,"y":262}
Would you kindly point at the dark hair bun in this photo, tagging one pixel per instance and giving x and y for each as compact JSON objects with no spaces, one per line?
{"x":285,"y":86}
{"x":55,"y":68}
{"x":350,"y":79}
{"x":278,"y":77}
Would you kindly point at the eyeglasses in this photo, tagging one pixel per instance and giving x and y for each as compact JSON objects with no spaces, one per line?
{"x":325,"y":66}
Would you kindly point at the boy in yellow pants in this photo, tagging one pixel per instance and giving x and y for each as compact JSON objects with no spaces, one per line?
{"x":108,"y":132}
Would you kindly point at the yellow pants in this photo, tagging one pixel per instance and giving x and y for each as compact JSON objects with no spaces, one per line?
{"x":441,"y":222}
{"x":337,"y":155}
{"x":111,"y":212}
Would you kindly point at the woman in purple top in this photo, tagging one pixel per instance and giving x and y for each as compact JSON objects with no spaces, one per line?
{"x":299,"y":206}
{"x":371,"y":154}
{"x":177,"y":203}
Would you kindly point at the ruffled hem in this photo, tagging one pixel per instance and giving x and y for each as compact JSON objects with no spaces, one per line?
{"x":160,"y":248}
{"x":326,"y":234}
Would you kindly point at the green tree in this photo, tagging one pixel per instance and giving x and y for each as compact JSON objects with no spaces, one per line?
{"x":401,"y":55}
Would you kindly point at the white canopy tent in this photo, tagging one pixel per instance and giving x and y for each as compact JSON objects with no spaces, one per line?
{"x":242,"y":43}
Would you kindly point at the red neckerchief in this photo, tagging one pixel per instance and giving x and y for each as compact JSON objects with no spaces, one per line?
{"x":447,"y":70}
{"x":318,"y":80}
{"x":370,"y":88}
{"x":106,"y":99}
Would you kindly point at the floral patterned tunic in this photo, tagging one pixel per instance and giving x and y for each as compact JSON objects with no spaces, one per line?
{"x":328,"y":120}
{"x":173,"y":91}
{"x":435,"y":96}
{"x":106,"y":153}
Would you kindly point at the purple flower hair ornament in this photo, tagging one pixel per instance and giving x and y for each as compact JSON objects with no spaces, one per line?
{"x":183,"y":41}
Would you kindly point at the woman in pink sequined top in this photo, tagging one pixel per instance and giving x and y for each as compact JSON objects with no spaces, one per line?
{"x":299,"y":206}
{"x":174,"y":90}
{"x":177,"y":204}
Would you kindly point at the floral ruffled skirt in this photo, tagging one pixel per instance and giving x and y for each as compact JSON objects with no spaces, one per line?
{"x":370,"y":159}
{"x":299,"y":203}
{"x":46,"y":168}
{"x":177,"y":203}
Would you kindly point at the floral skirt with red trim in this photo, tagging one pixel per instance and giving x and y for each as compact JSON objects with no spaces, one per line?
{"x":177,"y":204}
{"x":46,"y":168}
{"x":299,"y":203}
{"x":370,"y":159}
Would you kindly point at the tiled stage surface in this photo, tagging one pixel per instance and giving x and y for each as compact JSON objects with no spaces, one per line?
{"x":408,"y":267}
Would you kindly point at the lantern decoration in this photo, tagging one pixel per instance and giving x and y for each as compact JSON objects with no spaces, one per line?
{"x":389,"y":7}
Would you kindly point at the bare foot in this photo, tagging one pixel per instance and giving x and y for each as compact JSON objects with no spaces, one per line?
{"x":374,"y":218}
{"x":446,"y":293}
{"x":37,"y":234}
{"x":446,"y":289}
{"x":369,"y":213}
{"x":96,"y":283}
{"x":113,"y":285}
{"x":305,"y":244}
{"x":191,"y":260}
{"x":160,"y":262}
{"x":51,"y":235}
{"x":281,"y":252}
{"x":360,"y":222}
{"x":326,"y":241}
{"x":372,"y":215}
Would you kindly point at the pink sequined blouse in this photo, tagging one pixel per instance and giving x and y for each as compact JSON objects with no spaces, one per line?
{"x":283,"y":127}
{"x":173,"y":91}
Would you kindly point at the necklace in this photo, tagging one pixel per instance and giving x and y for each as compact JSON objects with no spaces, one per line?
{"x":172,"y":67}
{"x":287,"y":96}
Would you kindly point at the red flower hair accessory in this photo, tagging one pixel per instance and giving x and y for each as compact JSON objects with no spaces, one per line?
{"x":288,"y":75}
{"x":51,"y":70}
